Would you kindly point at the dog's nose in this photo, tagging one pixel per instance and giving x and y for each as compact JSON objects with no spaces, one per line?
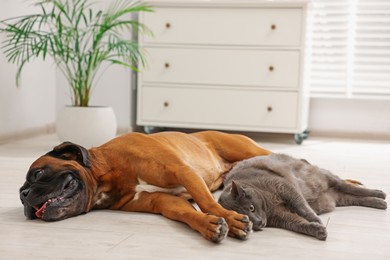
{"x":23,"y":195}
{"x":25,"y":192}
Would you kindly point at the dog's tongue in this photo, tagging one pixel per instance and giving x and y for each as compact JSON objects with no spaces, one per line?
{"x":39,"y":212}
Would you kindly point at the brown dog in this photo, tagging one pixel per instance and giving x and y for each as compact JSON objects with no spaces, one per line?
{"x":154,"y":173}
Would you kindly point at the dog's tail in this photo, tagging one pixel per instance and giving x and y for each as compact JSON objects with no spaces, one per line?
{"x":354,"y":182}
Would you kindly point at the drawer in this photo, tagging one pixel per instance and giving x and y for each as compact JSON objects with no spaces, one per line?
{"x":216,"y":108}
{"x":226,"y":67}
{"x":225,"y":26}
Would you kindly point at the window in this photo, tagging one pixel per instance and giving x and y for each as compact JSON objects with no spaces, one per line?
{"x":350,"y":54}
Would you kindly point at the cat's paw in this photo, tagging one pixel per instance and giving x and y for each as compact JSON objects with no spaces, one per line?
{"x":379,"y":204}
{"x":319,"y":231}
{"x":316,"y":219}
{"x":313,"y":218}
{"x":380,"y":194}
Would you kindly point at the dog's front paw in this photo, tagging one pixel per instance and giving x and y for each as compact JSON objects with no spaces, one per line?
{"x":239,"y":226}
{"x":216,"y":228}
{"x":220,"y":231}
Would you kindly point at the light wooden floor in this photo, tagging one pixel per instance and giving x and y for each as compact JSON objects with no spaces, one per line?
{"x":353,"y":232}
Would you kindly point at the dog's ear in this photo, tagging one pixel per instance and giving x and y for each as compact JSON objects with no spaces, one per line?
{"x":71,"y":151}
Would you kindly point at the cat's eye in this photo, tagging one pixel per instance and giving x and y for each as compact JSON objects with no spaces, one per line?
{"x":252,"y":208}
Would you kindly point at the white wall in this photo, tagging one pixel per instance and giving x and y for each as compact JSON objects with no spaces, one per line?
{"x":32,"y":105}
{"x":355,"y":118}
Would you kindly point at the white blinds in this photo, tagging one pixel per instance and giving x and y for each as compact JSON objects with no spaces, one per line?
{"x":350,"y":48}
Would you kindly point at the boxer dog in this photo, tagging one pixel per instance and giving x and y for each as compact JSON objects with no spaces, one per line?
{"x":156,"y":173}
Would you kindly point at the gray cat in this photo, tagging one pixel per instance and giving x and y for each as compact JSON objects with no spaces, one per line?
{"x":280,"y":191}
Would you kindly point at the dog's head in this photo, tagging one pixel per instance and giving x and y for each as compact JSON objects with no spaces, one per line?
{"x":55,"y":186}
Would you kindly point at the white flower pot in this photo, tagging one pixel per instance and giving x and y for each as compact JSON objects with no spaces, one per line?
{"x":86,"y":126}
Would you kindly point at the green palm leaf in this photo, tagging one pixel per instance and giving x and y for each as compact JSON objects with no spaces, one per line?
{"x":78,"y":37}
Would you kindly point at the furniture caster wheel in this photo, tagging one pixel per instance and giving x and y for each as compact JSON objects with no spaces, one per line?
{"x":299,"y":137}
{"x":149,"y":129}
{"x":152,"y":129}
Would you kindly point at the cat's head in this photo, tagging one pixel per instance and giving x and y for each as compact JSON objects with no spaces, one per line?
{"x":243,"y":199}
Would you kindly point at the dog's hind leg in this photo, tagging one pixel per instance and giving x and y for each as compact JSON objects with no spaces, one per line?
{"x":233,"y":147}
{"x":211,"y":227}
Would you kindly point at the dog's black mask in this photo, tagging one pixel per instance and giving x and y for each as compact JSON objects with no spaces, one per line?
{"x":54,"y":189}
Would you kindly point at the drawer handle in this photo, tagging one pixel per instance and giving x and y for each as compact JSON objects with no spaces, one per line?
{"x":168,"y":25}
{"x":166,"y":104}
{"x":167,"y":65}
{"x":273,"y":27}
{"x":271,"y":68}
{"x":269,"y":109}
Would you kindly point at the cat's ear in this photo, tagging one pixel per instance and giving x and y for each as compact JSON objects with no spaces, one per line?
{"x":237,"y":191}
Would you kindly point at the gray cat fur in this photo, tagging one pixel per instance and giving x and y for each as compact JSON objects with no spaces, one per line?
{"x":289,"y":193}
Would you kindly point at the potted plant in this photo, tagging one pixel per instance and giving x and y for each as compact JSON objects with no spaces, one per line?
{"x":82,"y":42}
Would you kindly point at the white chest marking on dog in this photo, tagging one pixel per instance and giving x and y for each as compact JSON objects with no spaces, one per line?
{"x":143,"y":186}
{"x":102,"y":197}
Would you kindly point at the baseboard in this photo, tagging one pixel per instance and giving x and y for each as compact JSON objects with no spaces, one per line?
{"x":27,"y":133}
{"x":46,"y":129}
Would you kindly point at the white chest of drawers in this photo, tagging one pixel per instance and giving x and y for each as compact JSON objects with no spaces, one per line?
{"x":226,"y":65}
